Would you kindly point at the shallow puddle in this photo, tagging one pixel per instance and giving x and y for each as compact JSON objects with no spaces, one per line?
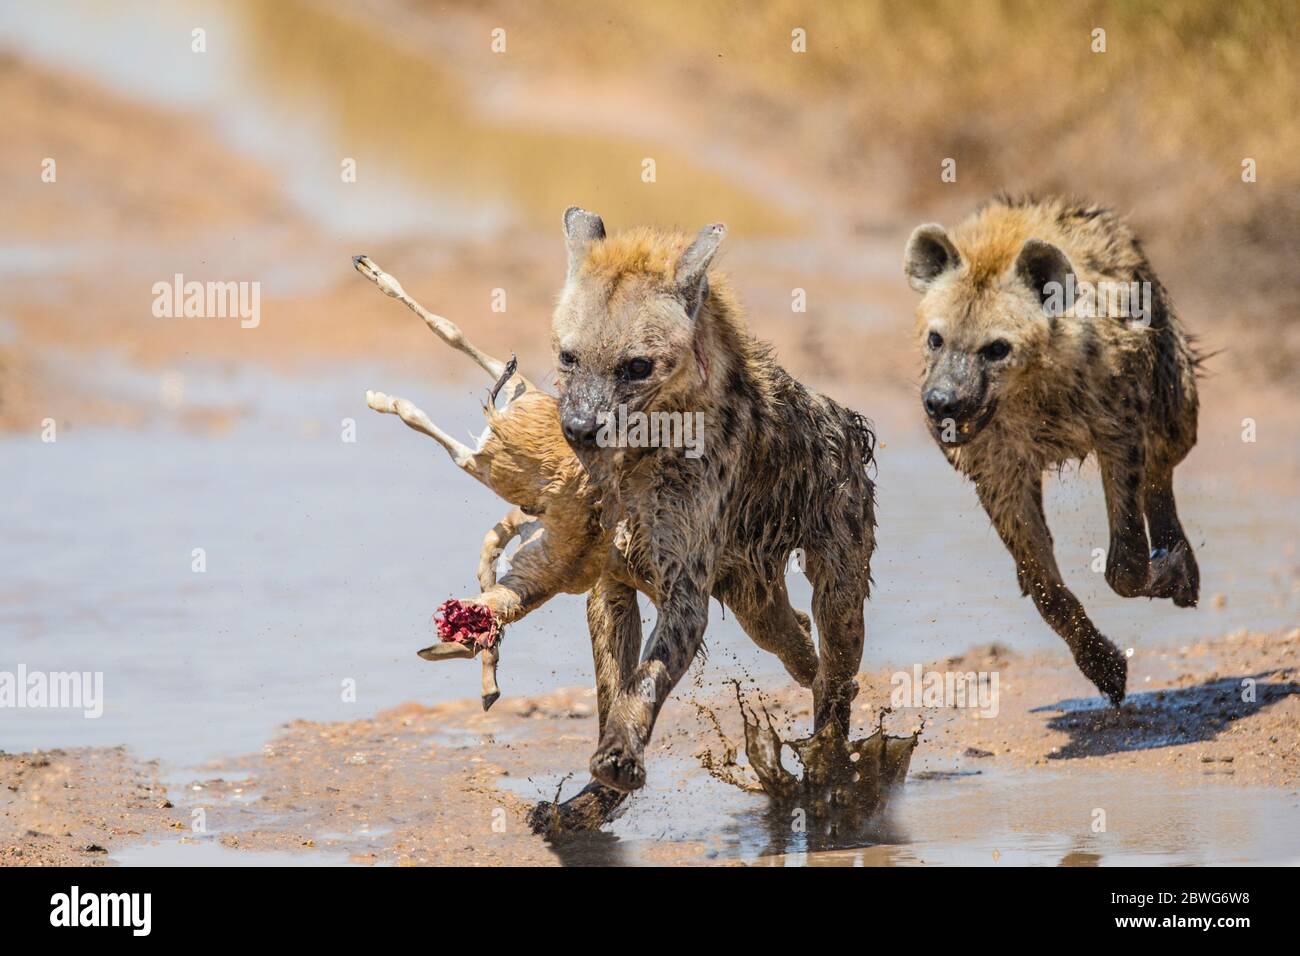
{"x":1046,"y":818}
{"x":317,"y":590}
{"x":985,"y":817}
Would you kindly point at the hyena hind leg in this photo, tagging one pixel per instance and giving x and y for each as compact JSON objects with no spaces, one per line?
{"x":778,"y":628}
{"x":1174,"y":573}
{"x":1128,"y":555}
{"x":839,"y":593}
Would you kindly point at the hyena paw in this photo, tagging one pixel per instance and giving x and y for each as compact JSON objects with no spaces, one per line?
{"x":1105,"y":665}
{"x":616,"y":764}
{"x":835,"y":706}
{"x":1127,"y":573}
{"x":1174,"y":575}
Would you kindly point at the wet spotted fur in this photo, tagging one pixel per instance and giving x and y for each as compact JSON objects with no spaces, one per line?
{"x":782,"y":468}
{"x":1014,"y":386}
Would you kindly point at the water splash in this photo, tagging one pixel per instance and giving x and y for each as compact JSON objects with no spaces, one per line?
{"x":844,"y":781}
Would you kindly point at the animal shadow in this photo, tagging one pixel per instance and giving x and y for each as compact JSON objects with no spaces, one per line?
{"x":597,"y":848}
{"x":1162,"y":718}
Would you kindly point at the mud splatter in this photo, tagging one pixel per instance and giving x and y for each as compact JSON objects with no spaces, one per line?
{"x":724,"y":766}
{"x":844,"y":784}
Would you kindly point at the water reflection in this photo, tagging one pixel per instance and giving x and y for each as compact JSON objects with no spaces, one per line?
{"x":1051,"y":819}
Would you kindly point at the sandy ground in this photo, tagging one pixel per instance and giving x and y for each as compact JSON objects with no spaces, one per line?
{"x":68,"y":807}
{"x":449,"y":784}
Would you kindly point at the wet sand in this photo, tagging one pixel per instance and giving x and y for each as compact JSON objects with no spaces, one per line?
{"x":449,"y":784}
{"x":68,"y":807}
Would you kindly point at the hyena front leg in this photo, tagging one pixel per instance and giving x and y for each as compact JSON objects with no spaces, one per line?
{"x":614,"y":620}
{"x":840,"y":584}
{"x":1174,"y":573}
{"x":619,"y":761}
{"x":1015,"y":506}
{"x":775,"y":626}
{"x":1128,"y":554}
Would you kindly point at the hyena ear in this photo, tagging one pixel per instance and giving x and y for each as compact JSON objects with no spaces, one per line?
{"x":930,"y":253}
{"x":691,"y":278}
{"x":581,"y":229}
{"x":1044,"y":268}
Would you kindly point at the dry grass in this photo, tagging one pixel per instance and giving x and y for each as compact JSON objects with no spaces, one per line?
{"x":1198,"y":84}
{"x":1158,"y":124}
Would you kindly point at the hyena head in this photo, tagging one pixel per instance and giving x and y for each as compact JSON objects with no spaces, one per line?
{"x":984,"y":325}
{"x":624,"y":329}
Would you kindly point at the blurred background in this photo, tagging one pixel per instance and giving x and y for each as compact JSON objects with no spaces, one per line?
{"x":218,"y":140}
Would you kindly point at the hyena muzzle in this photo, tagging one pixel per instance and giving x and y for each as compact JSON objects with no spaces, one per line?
{"x":643,"y":325}
{"x":1047,"y":337}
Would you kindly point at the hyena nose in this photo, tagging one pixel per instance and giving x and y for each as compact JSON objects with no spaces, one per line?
{"x":580,"y":430}
{"x":940,"y":403}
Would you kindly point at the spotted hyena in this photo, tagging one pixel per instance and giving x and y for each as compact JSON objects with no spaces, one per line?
{"x":1047,"y":338}
{"x":643,"y":324}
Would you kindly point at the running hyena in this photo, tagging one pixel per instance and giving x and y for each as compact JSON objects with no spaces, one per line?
{"x":1048,"y":338}
{"x":642,"y":323}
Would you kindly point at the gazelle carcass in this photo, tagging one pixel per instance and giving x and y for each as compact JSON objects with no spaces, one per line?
{"x":523,"y":457}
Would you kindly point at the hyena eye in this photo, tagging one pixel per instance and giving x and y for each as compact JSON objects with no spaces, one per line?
{"x":638,"y":368}
{"x":568,"y":359}
{"x":996,"y":350}
{"x":935,"y":340}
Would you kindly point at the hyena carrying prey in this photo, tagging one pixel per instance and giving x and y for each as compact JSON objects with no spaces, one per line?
{"x":1048,"y":338}
{"x":643,"y":323}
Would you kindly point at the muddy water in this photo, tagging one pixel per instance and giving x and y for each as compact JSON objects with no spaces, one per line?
{"x":1063,"y":819}
{"x":309,"y":581}
{"x":975,"y":818}
{"x":324,"y":560}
